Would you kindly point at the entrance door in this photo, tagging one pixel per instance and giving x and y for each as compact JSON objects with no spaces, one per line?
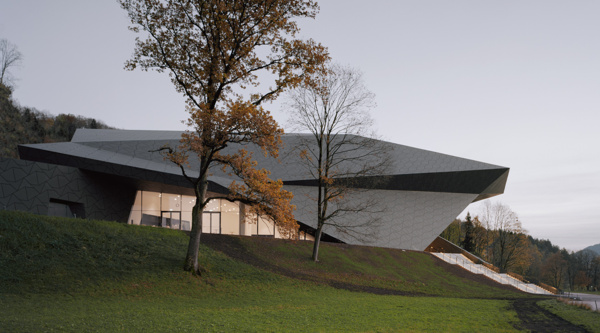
{"x":211,"y":222}
{"x":171,"y":220}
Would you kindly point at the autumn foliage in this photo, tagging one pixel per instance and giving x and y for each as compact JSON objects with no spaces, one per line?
{"x":244,"y":123}
{"x":215,"y":51}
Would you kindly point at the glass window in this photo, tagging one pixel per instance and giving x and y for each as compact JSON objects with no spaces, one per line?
{"x":135,"y":217}
{"x":187,"y":203}
{"x":151,"y":218}
{"x":211,"y":223}
{"x":171,"y":202}
{"x":137,"y":204}
{"x":171,"y":220}
{"x":213,"y":206}
{"x":186,"y":221}
{"x":215,"y":223}
{"x":206,"y":223}
{"x":59,"y":209}
{"x":265,"y":226}
{"x":230,"y":218}
{"x":175,"y":211}
{"x":249,"y":224}
{"x":175,"y":220}
{"x":151,"y":201}
{"x":229,"y":207}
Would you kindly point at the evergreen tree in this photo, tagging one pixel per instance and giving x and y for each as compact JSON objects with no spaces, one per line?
{"x":469,"y":240}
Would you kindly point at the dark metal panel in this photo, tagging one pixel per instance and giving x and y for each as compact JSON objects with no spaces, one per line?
{"x":489,"y":182}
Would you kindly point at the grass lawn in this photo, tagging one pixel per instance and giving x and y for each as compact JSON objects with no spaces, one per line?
{"x":583,"y":317}
{"x":77,"y":275}
{"x":282,"y":308}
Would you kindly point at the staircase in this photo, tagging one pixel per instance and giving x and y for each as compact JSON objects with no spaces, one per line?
{"x":464,"y":262}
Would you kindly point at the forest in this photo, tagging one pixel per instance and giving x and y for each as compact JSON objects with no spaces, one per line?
{"x":27,"y":125}
{"x":497,"y":236}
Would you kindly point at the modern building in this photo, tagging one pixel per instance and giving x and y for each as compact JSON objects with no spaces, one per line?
{"x":118,"y":175}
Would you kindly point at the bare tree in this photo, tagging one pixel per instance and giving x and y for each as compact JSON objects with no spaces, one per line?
{"x":554,"y":269}
{"x":341,"y":154}
{"x":480,"y":237}
{"x":507,"y":247}
{"x":9,"y":57}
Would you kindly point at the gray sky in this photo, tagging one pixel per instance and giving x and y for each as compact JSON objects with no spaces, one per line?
{"x":513,"y":83}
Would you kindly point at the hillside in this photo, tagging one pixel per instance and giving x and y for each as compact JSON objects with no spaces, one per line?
{"x":360,"y":268}
{"x":76,"y":275}
{"x":20,"y":125}
{"x":54,"y":255}
{"x":595,"y":248}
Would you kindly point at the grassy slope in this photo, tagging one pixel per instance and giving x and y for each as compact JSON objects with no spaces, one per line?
{"x":76,"y":275}
{"x":409,"y":272}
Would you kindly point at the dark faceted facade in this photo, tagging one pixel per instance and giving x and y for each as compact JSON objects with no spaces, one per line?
{"x":101,"y":174}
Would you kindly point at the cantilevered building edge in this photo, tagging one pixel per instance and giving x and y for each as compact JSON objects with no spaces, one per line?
{"x":118,"y":175}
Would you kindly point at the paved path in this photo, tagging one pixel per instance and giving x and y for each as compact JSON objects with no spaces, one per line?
{"x":590,"y":299}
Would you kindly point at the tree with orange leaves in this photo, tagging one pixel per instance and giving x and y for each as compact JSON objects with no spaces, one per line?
{"x":214,"y":50}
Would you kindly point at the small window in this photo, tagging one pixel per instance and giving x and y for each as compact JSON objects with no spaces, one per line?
{"x":64,"y":208}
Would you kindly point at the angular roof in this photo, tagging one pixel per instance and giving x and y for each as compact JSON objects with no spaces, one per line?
{"x":131,"y":154}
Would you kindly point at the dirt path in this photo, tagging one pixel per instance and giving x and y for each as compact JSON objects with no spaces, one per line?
{"x":536,"y":319}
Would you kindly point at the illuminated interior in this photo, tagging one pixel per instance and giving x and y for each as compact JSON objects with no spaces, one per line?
{"x":220,"y":216}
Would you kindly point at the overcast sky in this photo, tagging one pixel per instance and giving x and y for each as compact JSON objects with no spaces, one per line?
{"x":512,"y":83}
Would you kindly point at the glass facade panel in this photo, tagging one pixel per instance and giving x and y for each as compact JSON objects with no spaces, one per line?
{"x":135,"y":217}
{"x":187,"y":203}
{"x":230,"y":218}
{"x":137,"y":204}
{"x":229,"y":207}
{"x":151,"y":218}
{"x":175,"y":220}
{"x":277,"y":233}
{"x":171,"y":220}
{"x":249,"y":224}
{"x":170,"y":202}
{"x":230,"y":223}
{"x":265,"y":227}
{"x":213,"y":206}
{"x":186,"y":221}
{"x":211,"y":223}
{"x":175,"y":211}
{"x":215,"y":223}
{"x":206,"y":223}
{"x":151,"y":201}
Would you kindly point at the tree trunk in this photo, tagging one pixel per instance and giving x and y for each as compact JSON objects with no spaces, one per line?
{"x":191,"y":258}
{"x":315,"y":255}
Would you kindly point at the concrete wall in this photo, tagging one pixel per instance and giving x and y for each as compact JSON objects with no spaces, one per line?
{"x":397,"y":219}
{"x":35,"y":187}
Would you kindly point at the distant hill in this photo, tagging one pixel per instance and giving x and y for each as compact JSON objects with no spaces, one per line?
{"x":595,"y":248}
{"x":20,"y":125}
